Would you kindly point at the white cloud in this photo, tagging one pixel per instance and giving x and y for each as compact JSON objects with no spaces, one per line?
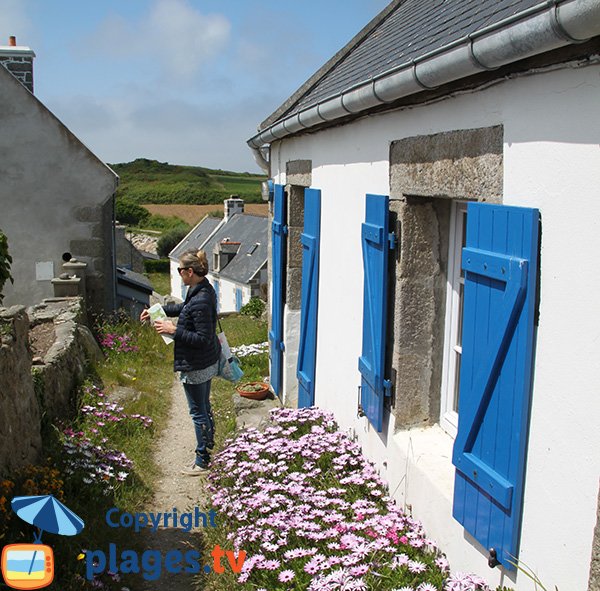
{"x":172,"y":34}
{"x":177,"y":131}
{"x":187,"y":38}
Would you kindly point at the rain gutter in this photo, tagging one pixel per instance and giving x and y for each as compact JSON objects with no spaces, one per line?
{"x":542,"y":28}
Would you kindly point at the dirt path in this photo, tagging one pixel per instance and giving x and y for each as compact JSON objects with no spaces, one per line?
{"x":174,"y":450}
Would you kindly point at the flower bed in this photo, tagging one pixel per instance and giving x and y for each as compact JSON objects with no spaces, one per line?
{"x":87,"y":457}
{"x":312,"y":513}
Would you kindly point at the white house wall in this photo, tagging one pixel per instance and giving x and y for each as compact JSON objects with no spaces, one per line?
{"x":227,"y":289}
{"x":552,"y":162}
{"x":176,"y":283}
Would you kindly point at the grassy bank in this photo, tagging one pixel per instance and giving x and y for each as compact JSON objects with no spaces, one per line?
{"x":161,"y":282}
{"x":149,"y":181}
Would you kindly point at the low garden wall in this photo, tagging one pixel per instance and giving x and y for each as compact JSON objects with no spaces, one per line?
{"x":44,"y":354}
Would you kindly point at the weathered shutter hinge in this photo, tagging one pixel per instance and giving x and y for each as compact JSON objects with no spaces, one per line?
{"x":392,"y":241}
{"x":387,"y":388}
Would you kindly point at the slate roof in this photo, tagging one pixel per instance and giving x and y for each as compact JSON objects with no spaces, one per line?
{"x":404,"y":31}
{"x":134,"y":279}
{"x":197,"y":236}
{"x":249,"y":230}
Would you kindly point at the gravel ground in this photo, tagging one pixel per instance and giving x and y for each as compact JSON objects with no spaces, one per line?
{"x":175,"y":449}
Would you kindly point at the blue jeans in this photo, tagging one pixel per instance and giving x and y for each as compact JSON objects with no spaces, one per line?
{"x":198,"y":398}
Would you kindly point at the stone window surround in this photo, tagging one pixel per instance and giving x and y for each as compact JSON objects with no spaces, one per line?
{"x":298,"y":177}
{"x":427,"y":173}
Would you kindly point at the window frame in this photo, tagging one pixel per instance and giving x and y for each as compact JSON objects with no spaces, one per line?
{"x":453,"y":320}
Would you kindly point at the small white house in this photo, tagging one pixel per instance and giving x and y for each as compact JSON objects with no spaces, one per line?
{"x":236,"y":247}
{"x":434,"y":274}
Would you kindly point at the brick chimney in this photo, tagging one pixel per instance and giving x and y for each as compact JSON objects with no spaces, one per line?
{"x":18,"y":60}
{"x":233,"y":205}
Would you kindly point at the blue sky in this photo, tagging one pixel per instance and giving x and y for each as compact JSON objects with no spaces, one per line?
{"x":182,"y":81}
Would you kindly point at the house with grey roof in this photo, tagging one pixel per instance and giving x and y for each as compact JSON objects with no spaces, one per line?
{"x":197,"y":236}
{"x":236,"y":248}
{"x":56,"y":195}
{"x":433,"y":272}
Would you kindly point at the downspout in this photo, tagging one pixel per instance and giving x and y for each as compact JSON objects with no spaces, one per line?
{"x":542,"y":28}
{"x":260,"y":158}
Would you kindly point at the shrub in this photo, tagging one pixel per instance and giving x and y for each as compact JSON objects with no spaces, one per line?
{"x":157,"y":266}
{"x":255,"y":307}
{"x":169,"y":241}
{"x":5,"y":261}
{"x":130,"y":213}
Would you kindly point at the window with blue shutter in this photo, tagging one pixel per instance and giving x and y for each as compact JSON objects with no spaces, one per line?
{"x":376,"y":243}
{"x":238,"y":299}
{"x":307,"y":350}
{"x":500,"y":261}
{"x":278,"y":236}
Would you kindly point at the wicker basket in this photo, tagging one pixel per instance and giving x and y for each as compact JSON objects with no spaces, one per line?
{"x":257,"y":391}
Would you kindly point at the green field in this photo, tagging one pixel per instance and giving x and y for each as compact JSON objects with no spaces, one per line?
{"x":150,"y":181}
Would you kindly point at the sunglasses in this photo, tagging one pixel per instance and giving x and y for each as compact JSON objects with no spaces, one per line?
{"x":180,"y":269}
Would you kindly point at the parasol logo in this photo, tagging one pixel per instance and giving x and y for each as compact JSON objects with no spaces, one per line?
{"x":31,"y":566}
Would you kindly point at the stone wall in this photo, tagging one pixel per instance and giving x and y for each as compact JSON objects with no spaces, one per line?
{"x":37,"y":386}
{"x":21,"y":67}
{"x":20,"y":418}
{"x":128,"y":255}
{"x":594,"y":584}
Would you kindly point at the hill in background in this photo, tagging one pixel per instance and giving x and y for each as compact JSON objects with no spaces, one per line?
{"x":149,"y":181}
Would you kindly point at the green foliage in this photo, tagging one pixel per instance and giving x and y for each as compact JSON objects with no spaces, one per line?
{"x":130,"y":213}
{"x":255,"y":367}
{"x":170,"y":240}
{"x":161,"y":282}
{"x":157,"y":266}
{"x":243,"y":330}
{"x":149,"y":181}
{"x":166,"y":223}
{"x":5,"y":261}
{"x":255,"y":307}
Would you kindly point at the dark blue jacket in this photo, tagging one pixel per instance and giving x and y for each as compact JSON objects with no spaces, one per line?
{"x":196,"y":343}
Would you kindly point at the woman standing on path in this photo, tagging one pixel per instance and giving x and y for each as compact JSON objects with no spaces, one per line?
{"x":196,"y":351}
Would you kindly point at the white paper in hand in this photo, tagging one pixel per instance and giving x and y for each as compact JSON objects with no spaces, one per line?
{"x":157,"y":313}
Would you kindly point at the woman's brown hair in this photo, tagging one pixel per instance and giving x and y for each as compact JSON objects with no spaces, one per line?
{"x":196,"y":261}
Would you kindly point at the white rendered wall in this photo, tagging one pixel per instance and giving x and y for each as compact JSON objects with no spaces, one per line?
{"x":551,"y":161}
{"x":227,"y":289}
{"x":176,"y":282}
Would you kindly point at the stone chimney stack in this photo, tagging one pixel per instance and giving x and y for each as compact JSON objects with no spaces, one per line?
{"x":18,"y":60}
{"x":233,"y":205}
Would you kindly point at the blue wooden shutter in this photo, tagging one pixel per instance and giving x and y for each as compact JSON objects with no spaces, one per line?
{"x":371,"y":364}
{"x":500,"y":260}
{"x":238,"y":299}
{"x":279,"y":231}
{"x":307,"y":350}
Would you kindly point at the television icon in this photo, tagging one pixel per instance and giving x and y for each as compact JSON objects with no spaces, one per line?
{"x":27,"y":566}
